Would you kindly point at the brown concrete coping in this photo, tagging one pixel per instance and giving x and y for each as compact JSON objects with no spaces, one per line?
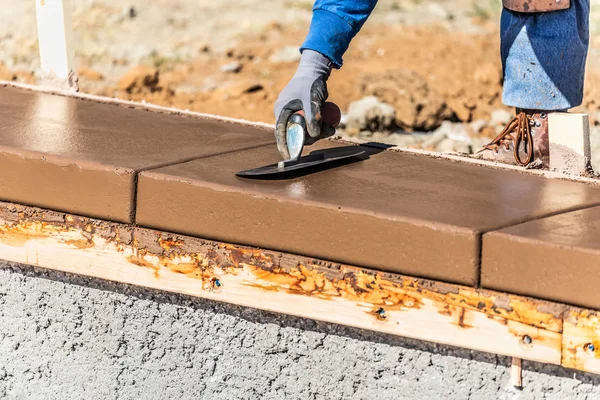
{"x":82,"y":157}
{"x":555,"y":258}
{"x":395,"y":211}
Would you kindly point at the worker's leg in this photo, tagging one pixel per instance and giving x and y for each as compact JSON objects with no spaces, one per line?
{"x":543,"y":57}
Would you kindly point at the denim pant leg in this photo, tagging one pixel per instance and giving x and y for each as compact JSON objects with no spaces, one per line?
{"x":543,"y":57}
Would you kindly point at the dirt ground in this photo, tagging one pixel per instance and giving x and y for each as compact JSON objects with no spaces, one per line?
{"x":434,"y":61}
{"x":458,"y":77}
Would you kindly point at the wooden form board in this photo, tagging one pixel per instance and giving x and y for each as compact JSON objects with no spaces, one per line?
{"x":581,"y":340}
{"x":442,"y":313}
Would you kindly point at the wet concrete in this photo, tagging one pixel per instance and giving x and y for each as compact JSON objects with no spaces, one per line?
{"x":82,"y":157}
{"x":397,"y":212}
{"x":555,"y":258}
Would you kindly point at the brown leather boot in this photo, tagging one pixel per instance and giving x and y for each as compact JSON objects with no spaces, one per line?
{"x":523,"y":141}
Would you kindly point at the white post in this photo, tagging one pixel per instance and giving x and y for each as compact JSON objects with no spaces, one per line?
{"x":55,"y":43}
{"x":569,"y":135}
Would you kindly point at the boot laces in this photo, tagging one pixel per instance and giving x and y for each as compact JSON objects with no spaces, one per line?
{"x":518,"y":130}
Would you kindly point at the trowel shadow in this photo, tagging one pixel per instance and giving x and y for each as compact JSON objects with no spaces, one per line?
{"x":316,"y":161}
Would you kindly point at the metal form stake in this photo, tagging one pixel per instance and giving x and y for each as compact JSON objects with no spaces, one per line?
{"x":55,"y":43}
{"x":516,"y":373}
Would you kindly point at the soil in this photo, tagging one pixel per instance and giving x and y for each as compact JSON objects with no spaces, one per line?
{"x":434,"y":77}
{"x":433,"y":60}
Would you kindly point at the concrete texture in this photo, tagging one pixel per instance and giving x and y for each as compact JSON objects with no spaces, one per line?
{"x":554,"y":258}
{"x":399,"y":212}
{"x":82,"y":156}
{"x":70,"y":337}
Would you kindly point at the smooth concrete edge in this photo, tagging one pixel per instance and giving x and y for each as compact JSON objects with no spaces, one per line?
{"x":511,"y":264}
{"x":62,"y":161}
{"x":40,"y":183}
{"x":216,"y":187}
{"x":539,"y":242}
{"x":224,"y":217}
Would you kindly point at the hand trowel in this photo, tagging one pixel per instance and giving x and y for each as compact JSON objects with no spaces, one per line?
{"x":297,"y":137}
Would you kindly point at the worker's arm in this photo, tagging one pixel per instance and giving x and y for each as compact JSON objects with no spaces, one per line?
{"x":334,"y":25}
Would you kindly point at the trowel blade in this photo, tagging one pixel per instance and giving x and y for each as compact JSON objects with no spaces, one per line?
{"x":309,"y":161}
{"x":295,"y":136}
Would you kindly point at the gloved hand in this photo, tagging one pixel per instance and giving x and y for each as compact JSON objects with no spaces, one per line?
{"x":306,"y":92}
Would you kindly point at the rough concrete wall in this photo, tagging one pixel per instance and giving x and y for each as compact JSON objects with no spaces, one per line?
{"x":69,"y":337}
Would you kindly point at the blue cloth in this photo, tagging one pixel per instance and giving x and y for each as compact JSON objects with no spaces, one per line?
{"x":334,"y":25}
{"x":543,"y":55}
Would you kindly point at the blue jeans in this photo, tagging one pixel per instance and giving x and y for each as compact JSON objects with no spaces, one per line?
{"x":543,"y":57}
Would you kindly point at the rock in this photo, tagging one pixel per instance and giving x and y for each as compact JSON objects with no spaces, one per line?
{"x":450,"y":137}
{"x":132,"y":12}
{"x":233,"y":67}
{"x":140,"y":79}
{"x":343,"y":121}
{"x":397,"y":139}
{"x":369,"y":114}
{"x":188,"y":89}
{"x":434,"y":140}
{"x":89,"y":74}
{"x":445,"y":146}
{"x":454,"y":130}
{"x":418,"y":106}
{"x":208,"y":85}
{"x":478,"y":125}
{"x":286,"y":54}
{"x":501,"y":117}
{"x":453,"y":146}
{"x":438,"y":10}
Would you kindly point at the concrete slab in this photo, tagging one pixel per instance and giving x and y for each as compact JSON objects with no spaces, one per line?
{"x":398,"y":212}
{"x":82,"y":157}
{"x":555,"y":258}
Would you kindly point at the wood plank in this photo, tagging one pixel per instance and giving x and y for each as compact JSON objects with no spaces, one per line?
{"x":581,"y":340}
{"x":277,"y":282}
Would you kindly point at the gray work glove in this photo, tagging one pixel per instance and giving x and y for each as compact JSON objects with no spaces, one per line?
{"x":306,"y":91}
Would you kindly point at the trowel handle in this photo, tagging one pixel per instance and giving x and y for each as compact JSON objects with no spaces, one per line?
{"x":298,"y":118}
